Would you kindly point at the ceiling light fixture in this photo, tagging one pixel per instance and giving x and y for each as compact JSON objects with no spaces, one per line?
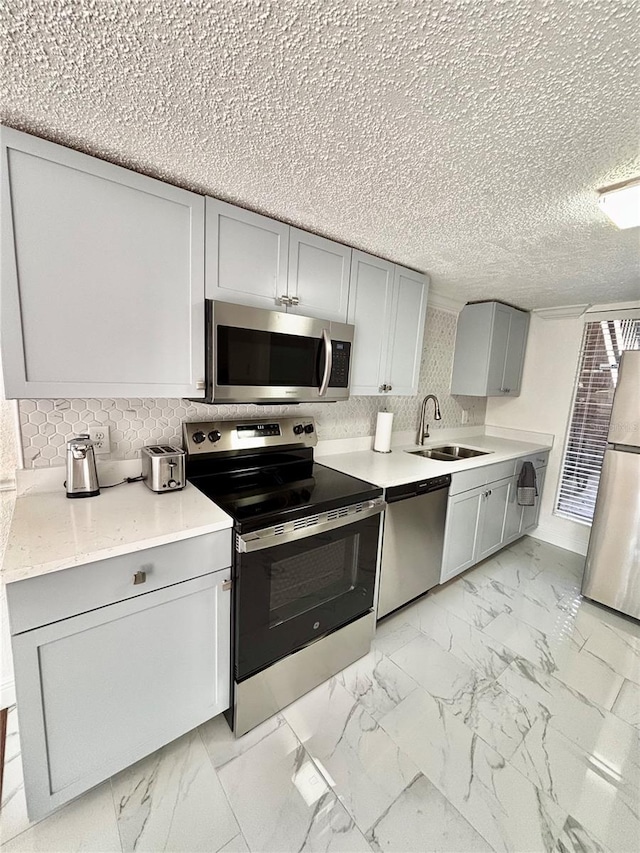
{"x":621,"y":203}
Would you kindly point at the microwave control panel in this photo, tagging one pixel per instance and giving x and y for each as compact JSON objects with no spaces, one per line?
{"x":340,"y":351}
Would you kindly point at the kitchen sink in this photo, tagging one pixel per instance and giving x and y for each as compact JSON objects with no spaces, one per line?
{"x":460,"y":452}
{"x":433,"y":454}
{"x":448,"y":453}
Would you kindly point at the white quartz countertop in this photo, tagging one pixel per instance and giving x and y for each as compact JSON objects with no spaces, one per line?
{"x":399,"y":467}
{"x":49,"y":531}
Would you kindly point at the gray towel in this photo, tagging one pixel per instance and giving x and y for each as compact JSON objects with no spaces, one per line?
{"x":527,"y":485}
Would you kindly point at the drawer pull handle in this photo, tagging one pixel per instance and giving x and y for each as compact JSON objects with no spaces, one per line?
{"x":139,"y":577}
{"x":226,"y":585}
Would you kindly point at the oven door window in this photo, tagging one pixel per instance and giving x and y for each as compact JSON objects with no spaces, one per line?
{"x":289,"y":595}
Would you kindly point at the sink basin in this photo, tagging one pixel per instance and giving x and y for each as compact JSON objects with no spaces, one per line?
{"x":448,"y":453}
{"x":459,"y":452}
{"x":433,"y":454}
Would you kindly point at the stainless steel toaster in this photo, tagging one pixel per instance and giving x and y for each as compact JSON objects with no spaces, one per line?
{"x":163,"y":467}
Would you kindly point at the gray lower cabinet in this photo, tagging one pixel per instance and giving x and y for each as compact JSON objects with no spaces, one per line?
{"x":102,"y":689}
{"x":464,"y":513}
{"x":491,"y":533}
{"x":102,"y":277}
{"x":483,"y":514}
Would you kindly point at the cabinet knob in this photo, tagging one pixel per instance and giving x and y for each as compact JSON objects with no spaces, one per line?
{"x":293,"y":300}
{"x":139,"y":577}
{"x":226,"y":585}
{"x":200,"y":385}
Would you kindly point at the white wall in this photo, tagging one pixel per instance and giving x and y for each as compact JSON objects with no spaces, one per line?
{"x":544,"y":405}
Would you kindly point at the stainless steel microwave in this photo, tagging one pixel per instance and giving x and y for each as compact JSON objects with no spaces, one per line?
{"x":260,"y":356}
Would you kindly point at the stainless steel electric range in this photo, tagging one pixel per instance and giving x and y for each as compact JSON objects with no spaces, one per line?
{"x":304,"y":563}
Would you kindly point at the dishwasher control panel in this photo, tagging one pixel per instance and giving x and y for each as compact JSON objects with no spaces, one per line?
{"x":420,"y":487}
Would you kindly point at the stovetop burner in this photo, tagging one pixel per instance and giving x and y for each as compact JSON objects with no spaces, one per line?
{"x":262,"y":484}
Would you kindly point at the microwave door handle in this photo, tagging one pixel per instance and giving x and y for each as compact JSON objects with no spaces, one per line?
{"x":328,"y":361}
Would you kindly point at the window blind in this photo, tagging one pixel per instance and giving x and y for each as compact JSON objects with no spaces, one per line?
{"x":603,"y":343}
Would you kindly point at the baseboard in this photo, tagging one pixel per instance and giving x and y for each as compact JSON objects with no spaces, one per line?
{"x":577,"y":544}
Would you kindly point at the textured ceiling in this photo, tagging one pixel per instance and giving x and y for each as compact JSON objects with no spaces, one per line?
{"x":462,"y":137}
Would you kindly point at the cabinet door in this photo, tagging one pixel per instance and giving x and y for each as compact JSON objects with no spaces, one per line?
{"x":514,"y":359}
{"x":318,"y":276}
{"x":102,"y":690}
{"x":530,"y":514}
{"x":407,"y":331}
{"x":370,"y":301}
{"x":498,"y":352}
{"x":496,"y":501}
{"x":102,"y":277}
{"x":513,"y":517}
{"x":461,"y":532}
{"x":247,"y":256}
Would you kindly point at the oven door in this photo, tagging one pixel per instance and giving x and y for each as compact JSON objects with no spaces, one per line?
{"x":291,"y":593}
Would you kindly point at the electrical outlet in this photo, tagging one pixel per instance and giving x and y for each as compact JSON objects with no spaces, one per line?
{"x":99,"y":435}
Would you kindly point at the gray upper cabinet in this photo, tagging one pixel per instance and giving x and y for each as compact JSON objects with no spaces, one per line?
{"x":489,"y":353}
{"x":407,"y":330}
{"x":387,"y":304}
{"x":102,"y":277}
{"x":254,"y":260}
{"x":370,"y":302}
{"x":318,"y":279}
{"x":246,"y":256}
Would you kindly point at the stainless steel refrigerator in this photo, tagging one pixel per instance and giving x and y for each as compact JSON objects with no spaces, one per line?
{"x":612,"y":571}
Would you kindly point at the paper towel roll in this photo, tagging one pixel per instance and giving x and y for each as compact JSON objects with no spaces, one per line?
{"x":382,"y":440}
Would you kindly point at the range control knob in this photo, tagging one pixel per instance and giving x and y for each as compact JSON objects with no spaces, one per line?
{"x":172,"y":484}
{"x":199,"y":437}
{"x":215,"y":435}
{"x":308,"y":429}
{"x":298,"y":429}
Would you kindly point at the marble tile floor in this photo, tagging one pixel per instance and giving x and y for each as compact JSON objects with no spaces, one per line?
{"x":500,"y":712}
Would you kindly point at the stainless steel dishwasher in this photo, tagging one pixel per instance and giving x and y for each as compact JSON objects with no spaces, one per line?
{"x":412,"y":541}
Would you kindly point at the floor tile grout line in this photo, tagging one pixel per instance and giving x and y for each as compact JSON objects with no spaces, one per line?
{"x":611,"y":711}
{"x":444,"y":710}
{"x":466,"y":662}
{"x":115,"y":812}
{"x":222,"y":787}
{"x":31,"y":823}
{"x":320,"y":768}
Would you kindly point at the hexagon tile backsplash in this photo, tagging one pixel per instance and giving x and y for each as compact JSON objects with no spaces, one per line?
{"x":47,"y":424}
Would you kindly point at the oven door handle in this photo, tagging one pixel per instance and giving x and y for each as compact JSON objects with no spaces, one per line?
{"x":328,"y":362}
{"x":281,"y":534}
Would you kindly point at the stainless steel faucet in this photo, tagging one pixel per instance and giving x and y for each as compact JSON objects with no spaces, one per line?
{"x":423,"y":429}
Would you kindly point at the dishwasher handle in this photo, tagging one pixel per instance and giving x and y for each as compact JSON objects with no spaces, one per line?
{"x":420,"y":487}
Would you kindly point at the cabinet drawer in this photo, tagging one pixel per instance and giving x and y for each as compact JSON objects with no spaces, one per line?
{"x":539,"y":459}
{"x":465,"y":480}
{"x":500,"y":471}
{"x":39,"y":601}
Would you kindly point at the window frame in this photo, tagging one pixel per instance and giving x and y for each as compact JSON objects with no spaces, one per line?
{"x":615,"y":340}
